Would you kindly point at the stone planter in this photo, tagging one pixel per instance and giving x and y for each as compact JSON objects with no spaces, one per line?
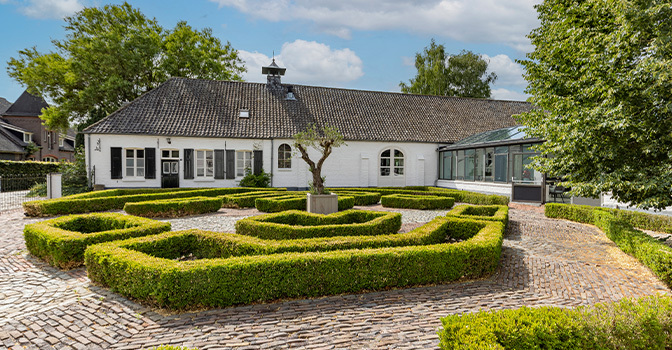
{"x":322,"y":203}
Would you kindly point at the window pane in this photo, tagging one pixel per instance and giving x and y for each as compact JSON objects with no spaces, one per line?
{"x":447,"y":165}
{"x":130,"y":162}
{"x":176,"y":154}
{"x":384,"y":171}
{"x":166,"y":168}
{"x":174,"y":167}
{"x":518,"y":167}
{"x":460,"y":165}
{"x":141,"y":171}
{"x":469,"y":164}
{"x":129,"y":153}
{"x":141,"y":163}
{"x":399,"y":171}
{"x":479,"y":162}
{"x":489,"y":164}
{"x":140,"y":153}
{"x":501,"y":167}
{"x":208,"y":154}
{"x":165,"y":154}
{"x":384,"y":161}
{"x":385,"y":153}
{"x":502,"y":149}
{"x":397,"y":153}
{"x":209,"y":167}
{"x":399,"y":162}
{"x":129,"y":172}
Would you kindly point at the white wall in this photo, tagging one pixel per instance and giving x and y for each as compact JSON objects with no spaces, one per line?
{"x":352,"y":165}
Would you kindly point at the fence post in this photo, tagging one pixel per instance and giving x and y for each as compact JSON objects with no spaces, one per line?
{"x":54,"y":185}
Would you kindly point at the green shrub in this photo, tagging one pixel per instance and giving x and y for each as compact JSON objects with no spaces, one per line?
{"x":116,"y":199}
{"x":640,"y":324}
{"x":361,"y":198}
{"x":234,"y":269}
{"x":482,"y":212}
{"x":295,"y":201}
{"x":27,"y":168}
{"x":411,"y":201}
{"x":62,"y":241}
{"x":293,"y":224}
{"x":247,"y":199}
{"x":648,"y":250}
{"x":260,"y":180}
{"x":460,"y":196}
{"x":170,"y":208}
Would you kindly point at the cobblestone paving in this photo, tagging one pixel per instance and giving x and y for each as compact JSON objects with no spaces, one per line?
{"x":544,"y":262}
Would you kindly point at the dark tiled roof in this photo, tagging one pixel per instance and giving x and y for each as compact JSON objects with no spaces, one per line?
{"x":205,"y":108}
{"x":27,"y":105}
{"x":4,"y":104}
{"x":10,"y":143}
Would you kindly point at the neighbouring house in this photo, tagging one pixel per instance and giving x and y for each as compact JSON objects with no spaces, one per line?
{"x":20,"y":125}
{"x":204,"y":133}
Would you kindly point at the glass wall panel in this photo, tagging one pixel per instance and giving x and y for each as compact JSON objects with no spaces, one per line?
{"x":501,"y":167}
{"x":460,"y":165}
{"x":469,"y":164}
{"x":479,"y":162}
{"x":489,"y":164}
{"x":446,"y":166}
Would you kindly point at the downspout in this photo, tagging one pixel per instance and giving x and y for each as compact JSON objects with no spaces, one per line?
{"x":272,"y":148}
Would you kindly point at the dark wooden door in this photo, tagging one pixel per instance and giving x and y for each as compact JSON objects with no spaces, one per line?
{"x":170,"y":173}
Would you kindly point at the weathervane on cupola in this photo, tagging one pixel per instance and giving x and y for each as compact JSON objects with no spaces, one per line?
{"x":273,"y":73}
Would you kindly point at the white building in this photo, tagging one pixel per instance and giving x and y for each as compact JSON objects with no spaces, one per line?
{"x":202,"y":133}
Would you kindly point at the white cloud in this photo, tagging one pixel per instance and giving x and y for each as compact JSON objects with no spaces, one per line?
{"x":509,"y":73}
{"x":307,"y":62}
{"x":50,"y":8}
{"x":485,"y":21}
{"x":504,"y":94}
{"x":408,"y":61}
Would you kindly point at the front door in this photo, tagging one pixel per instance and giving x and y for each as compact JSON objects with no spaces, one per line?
{"x":170,"y":173}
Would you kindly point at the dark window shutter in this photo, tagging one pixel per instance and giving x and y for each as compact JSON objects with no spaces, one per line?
{"x":150,"y":163}
{"x":230,"y":164}
{"x":188,"y":163}
{"x":116,"y":162}
{"x":220,"y":166}
{"x":258,"y":162}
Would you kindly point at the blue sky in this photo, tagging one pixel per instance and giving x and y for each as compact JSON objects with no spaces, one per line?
{"x":355,"y":44}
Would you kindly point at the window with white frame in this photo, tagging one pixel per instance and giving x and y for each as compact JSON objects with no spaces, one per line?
{"x":392,"y":162}
{"x":284,"y":156}
{"x":135,"y":162}
{"x":205,"y":163}
{"x":60,"y":141}
{"x":27,"y":137}
{"x":243,"y":162}
{"x":50,"y":159}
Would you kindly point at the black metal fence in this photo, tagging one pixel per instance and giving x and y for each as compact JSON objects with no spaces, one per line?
{"x":16,"y":189}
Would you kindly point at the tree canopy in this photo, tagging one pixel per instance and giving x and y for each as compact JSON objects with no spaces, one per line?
{"x":441,"y":74}
{"x":601,"y":75}
{"x":324,"y":140}
{"x":112,"y":55}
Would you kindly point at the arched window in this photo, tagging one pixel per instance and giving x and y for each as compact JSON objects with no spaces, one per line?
{"x":392,"y":162}
{"x":284,"y":156}
{"x":50,"y":159}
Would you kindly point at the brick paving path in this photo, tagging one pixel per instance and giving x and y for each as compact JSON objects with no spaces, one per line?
{"x":544,"y":262}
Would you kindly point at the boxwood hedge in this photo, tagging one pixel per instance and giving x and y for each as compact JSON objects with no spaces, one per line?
{"x":361,"y":198}
{"x":174,"y":207}
{"x":247,"y":199}
{"x":482,"y":212}
{"x":234,"y":269}
{"x":116,"y":199}
{"x":413,"y":201}
{"x":460,"y":196}
{"x":294,"y":224}
{"x":62,"y":241}
{"x":628,"y":324}
{"x":648,"y":250}
{"x":295,"y":201}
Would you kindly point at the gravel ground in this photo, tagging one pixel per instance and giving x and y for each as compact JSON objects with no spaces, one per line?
{"x":225,"y":219}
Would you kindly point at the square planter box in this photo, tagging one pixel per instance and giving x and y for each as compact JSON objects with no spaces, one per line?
{"x":322,"y":203}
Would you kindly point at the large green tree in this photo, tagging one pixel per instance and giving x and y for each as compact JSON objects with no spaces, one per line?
{"x":112,"y":55}
{"x":441,"y":74}
{"x":601,"y":75}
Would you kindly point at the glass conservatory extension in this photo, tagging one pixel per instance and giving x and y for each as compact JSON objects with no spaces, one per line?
{"x":496,"y":161}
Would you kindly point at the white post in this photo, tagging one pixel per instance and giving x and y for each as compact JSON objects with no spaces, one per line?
{"x":54,"y":185}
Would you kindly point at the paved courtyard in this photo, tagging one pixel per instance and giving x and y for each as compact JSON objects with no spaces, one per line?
{"x":544,"y":262}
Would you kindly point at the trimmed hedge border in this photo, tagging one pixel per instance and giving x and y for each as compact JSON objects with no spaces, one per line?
{"x":247,"y":199}
{"x":27,"y":168}
{"x":170,"y":208}
{"x":233,"y":271}
{"x":411,"y":201}
{"x":648,"y":250}
{"x":61,"y":241}
{"x":361,"y":198}
{"x":295,"y":202}
{"x":643,"y":323}
{"x":116,"y":199}
{"x":294,"y":224}
{"x":460,"y":196}
{"x":482,"y":212}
